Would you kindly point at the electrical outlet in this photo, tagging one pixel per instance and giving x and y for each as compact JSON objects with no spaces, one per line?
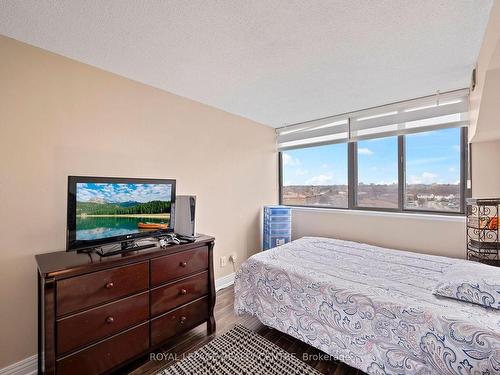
{"x":223,"y":261}
{"x":280,"y":241}
{"x":233,"y":258}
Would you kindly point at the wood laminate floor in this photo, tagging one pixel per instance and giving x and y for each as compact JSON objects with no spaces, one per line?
{"x":226,"y":319}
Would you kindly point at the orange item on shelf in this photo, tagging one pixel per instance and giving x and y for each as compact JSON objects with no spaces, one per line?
{"x":493,"y":224}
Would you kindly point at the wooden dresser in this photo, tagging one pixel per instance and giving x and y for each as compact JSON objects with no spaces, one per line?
{"x":97,"y":314}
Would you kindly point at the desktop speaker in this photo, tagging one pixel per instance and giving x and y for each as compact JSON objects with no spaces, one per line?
{"x":184,"y":215}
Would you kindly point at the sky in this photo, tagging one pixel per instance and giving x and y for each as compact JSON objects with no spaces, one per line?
{"x":431,"y":157}
{"x":123,"y":192}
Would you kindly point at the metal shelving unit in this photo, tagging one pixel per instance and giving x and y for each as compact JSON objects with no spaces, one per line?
{"x":483,"y":233}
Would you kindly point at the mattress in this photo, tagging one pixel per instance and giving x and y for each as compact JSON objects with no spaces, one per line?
{"x":369,"y":307}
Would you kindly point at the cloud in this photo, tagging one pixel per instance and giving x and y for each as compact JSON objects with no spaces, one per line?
{"x":452,"y":169}
{"x":325,"y":165}
{"x":123,"y":187}
{"x":365,"y":151}
{"x":456,"y":148}
{"x":123,"y":193}
{"x":85,"y":195}
{"x":301,"y":172}
{"x":424,"y":178}
{"x":322,"y":179}
{"x":290,"y":161}
{"x":427,"y":160}
{"x":109,"y":189}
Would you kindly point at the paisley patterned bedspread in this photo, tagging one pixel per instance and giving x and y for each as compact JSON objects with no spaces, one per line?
{"x":370,"y":307}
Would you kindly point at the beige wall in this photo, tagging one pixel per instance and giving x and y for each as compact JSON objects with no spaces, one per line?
{"x":489,"y":58}
{"x":438,"y":235}
{"x":485,"y":169}
{"x":59,"y":117}
{"x":485,"y":113}
{"x":488,"y":124}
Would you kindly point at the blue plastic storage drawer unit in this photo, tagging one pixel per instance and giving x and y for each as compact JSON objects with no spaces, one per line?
{"x":277,"y":226}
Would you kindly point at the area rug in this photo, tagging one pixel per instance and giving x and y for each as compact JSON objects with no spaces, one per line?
{"x":239,"y":351}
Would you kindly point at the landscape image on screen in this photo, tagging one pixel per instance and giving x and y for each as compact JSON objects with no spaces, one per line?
{"x":106,"y":210}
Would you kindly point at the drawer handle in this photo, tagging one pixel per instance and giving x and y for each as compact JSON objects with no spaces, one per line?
{"x":184,"y":292}
{"x":109,"y":285}
{"x":110,"y":320}
{"x":183,"y":264}
{"x":183,"y":319}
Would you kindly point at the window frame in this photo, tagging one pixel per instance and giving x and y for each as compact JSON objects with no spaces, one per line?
{"x":355,"y":171}
{"x":352,"y":180}
{"x":280,"y":180}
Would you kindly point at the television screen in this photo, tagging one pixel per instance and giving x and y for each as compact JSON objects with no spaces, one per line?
{"x":104,"y":210}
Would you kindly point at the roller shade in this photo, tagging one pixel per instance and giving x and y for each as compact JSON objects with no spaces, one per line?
{"x":418,"y":115}
{"x":313,"y":133}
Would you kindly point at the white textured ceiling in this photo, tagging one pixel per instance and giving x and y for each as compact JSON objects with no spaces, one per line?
{"x":276,"y":62}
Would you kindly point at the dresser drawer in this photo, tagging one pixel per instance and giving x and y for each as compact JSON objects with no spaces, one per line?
{"x":178,"y":320}
{"x":107,"y":354}
{"x":174,"y":266}
{"x":178,"y":293}
{"x":80,"y":292}
{"x":89,"y":326}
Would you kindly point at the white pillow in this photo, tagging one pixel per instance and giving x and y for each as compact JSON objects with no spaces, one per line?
{"x":471,"y":282}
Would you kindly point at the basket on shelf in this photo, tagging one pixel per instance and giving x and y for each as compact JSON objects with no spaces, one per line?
{"x":483,"y":234}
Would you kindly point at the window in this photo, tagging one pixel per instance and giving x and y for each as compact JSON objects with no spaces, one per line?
{"x":315,"y":176}
{"x":377,"y":173}
{"x":407,"y":156}
{"x":433,"y":171}
{"x":421,"y":172}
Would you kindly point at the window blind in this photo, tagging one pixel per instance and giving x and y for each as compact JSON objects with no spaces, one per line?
{"x":428,"y":113}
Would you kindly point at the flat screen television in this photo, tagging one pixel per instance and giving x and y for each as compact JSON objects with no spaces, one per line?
{"x":104,"y":210}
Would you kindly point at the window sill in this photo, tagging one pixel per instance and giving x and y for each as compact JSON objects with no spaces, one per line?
{"x":406,"y":215}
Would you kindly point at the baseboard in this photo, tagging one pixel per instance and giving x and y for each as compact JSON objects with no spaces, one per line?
{"x":27,"y":366}
{"x":224,"y":281}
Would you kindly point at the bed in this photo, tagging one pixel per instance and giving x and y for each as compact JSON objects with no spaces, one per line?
{"x":369,"y":307}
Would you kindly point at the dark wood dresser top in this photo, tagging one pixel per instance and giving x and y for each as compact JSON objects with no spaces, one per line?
{"x":62,"y":264}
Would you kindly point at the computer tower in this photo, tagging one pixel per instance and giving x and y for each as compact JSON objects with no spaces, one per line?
{"x":185,"y":215}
